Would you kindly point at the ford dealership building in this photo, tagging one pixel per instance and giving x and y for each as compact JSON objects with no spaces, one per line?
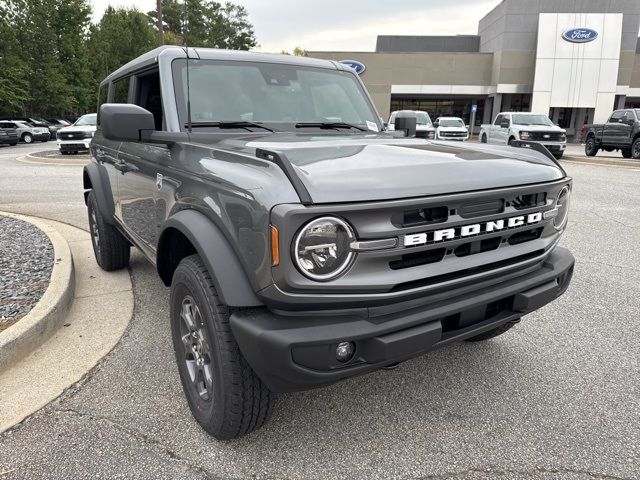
{"x":576,"y":60}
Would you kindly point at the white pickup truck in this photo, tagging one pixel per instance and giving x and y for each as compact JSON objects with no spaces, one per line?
{"x":531,"y":127}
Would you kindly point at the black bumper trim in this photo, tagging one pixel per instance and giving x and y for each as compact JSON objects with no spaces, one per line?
{"x":292,"y":353}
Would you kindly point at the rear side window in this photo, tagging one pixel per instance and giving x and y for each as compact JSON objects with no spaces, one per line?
{"x":121,"y":91}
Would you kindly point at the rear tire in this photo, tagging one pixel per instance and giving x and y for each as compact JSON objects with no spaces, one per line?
{"x":225,"y":395}
{"x":111,"y":249}
{"x":590,"y":147}
{"x":635,"y":149}
{"x":493,"y":332}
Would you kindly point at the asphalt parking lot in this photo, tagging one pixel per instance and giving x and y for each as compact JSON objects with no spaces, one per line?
{"x":556,"y":397}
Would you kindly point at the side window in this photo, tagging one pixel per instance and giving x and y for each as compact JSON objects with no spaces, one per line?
{"x":629,"y":117}
{"x":615,"y":118}
{"x":102,"y":98}
{"x":148,"y":96}
{"x":498,"y":119}
{"x":121,"y":91}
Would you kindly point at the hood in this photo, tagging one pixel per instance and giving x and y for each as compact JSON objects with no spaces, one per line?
{"x":79,"y":128}
{"x":362,"y":168}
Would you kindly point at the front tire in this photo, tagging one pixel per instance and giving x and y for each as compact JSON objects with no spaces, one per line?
{"x":494,"y":332}
{"x":483,"y":138}
{"x":111,"y":249}
{"x":590,"y":147}
{"x":225,"y":395}
{"x":27,"y":138}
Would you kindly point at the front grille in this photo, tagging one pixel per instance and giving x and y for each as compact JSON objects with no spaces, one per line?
{"x":71,"y":135}
{"x":546,"y":136}
{"x":470,"y":241}
{"x":452,"y":134}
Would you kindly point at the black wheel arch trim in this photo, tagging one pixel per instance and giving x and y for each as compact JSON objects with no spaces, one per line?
{"x":228,"y":275}
{"x":96,"y":178}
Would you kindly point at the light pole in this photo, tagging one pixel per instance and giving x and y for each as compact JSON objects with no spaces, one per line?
{"x":160,"y":29}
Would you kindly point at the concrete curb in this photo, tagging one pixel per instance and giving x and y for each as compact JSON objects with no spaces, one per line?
{"x":28,"y":158}
{"x":32,"y":330}
{"x":602,"y":162}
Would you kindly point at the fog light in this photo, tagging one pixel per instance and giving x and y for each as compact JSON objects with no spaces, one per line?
{"x":345,"y":351}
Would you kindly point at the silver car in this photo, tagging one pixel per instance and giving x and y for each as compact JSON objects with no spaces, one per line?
{"x":27,"y":133}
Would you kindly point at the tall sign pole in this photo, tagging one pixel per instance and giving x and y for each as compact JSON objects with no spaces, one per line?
{"x":160,"y":28}
{"x":474,"y":109}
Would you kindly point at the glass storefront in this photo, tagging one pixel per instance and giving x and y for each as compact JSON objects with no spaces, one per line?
{"x":441,"y":107}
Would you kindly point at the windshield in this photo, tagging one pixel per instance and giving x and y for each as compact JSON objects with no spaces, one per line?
{"x":86,"y":120}
{"x":531,"y":119}
{"x":451,"y":122}
{"x":276,"y":95}
{"x":422,"y":118}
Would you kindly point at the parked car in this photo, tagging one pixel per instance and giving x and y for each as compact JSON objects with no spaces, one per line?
{"x":59,"y":121}
{"x":621,"y":132}
{"x":424,"y":125}
{"x":8,"y":136}
{"x":451,"y":128}
{"x":37,"y":122}
{"x":301,"y":251}
{"x":26,"y":132}
{"x":531,"y":127}
{"x":77,"y":137}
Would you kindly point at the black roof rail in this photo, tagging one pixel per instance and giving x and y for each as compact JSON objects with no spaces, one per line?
{"x":285,"y":165}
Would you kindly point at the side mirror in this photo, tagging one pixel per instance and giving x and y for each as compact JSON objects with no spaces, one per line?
{"x":406,"y":121}
{"x":504,"y":124}
{"x":124,"y":121}
{"x":436,"y":124}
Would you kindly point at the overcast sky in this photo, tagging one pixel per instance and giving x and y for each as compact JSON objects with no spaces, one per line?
{"x":344,"y":24}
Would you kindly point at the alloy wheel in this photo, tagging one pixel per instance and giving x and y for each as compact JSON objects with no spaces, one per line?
{"x":95,"y":233}
{"x":197,"y":351}
{"x":636,"y":150}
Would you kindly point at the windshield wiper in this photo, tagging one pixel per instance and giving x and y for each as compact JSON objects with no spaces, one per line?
{"x":229,"y":124}
{"x":334,"y":125}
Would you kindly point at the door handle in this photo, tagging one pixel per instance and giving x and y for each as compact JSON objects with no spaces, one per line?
{"x":125,"y":167}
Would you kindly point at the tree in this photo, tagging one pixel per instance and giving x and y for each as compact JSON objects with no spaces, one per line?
{"x":206,"y":23}
{"x":119,"y":37}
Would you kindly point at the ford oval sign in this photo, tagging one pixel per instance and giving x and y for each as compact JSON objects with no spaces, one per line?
{"x":356,"y":65}
{"x":580,"y":35}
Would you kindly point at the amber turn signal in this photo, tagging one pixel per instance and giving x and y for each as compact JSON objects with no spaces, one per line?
{"x":275,"y":246}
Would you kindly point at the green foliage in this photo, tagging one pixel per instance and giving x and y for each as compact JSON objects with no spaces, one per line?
{"x":52,"y":58}
{"x":206,"y":23}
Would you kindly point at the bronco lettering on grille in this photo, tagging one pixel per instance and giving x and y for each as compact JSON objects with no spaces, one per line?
{"x":414,"y":239}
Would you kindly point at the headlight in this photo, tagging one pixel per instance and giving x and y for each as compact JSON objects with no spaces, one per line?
{"x":563,"y":137}
{"x":562,"y":205}
{"x":524,"y":135}
{"x":322,"y":248}
{"x":88,"y":134}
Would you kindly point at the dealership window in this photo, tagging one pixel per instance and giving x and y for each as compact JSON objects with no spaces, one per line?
{"x":516,"y":102}
{"x":442,"y":107}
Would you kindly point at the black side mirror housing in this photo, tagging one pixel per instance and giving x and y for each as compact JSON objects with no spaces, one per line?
{"x":125,"y":121}
{"x":504,"y":124}
{"x":406,"y":121}
{"x":436,"y":124}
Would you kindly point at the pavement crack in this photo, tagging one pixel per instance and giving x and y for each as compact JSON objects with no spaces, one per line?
{"x":509,"y":472}
{"x":143,"y":438}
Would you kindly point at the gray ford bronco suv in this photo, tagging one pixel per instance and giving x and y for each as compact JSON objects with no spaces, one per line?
{"x":302,"y":243}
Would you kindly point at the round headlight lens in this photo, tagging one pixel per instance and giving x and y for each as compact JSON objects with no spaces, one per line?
{"x":322,"y":249}
{"x":562,"y":204}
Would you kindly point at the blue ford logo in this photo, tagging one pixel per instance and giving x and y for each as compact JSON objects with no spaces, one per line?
{"x":356,"y":65}
{"x":580,"y":35}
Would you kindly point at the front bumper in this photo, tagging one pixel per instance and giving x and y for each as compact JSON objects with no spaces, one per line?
{"x":297,"y":352}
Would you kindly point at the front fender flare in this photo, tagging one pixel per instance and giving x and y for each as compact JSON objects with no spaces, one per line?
{"x":221,"y":260}
{"x":96,"y":178}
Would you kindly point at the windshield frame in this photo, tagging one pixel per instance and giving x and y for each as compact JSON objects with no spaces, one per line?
{"x":78,"y":124}
{"x":514,"y":115}
{"x":178,"y":64}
